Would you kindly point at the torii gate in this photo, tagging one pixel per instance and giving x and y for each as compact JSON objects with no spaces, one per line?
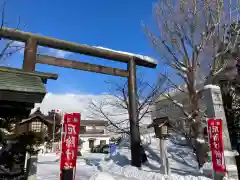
{"x":31,"y":58}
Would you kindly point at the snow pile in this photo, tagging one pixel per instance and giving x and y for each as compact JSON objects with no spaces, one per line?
{"x":102,"y":176}
{"x":108,"y":176}
{"x":93,"y":166}
{"x":131,"y":172}
{"x":118,"y":163}
{"x":48,"y":157}
{"x":48,"y":167}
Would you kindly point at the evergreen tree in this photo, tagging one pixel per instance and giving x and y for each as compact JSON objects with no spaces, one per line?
{"x":231,"y":102}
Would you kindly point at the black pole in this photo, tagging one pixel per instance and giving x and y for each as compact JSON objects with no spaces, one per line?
{"x":134,"y":128}
{"x":67,"y":174}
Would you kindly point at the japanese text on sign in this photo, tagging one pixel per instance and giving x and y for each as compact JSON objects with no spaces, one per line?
{"x":216,"y":144}
{"x":71,"y":127}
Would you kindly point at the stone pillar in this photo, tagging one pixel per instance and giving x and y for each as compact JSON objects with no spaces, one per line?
{"x":215,"y":109}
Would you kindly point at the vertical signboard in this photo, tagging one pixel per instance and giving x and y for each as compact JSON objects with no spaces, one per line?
{"x":69,"y":142}
{"x":216,"y":144}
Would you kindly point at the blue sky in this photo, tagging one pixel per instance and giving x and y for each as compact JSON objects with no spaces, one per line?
{"x":111,"y":24}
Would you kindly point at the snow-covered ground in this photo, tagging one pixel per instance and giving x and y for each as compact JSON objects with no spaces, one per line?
{"x":104,"y":167}
{"x":48,"y":168}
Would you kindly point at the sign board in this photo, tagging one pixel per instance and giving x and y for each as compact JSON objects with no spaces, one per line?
{"x":69,"y":141}
{"x":216,"y":144}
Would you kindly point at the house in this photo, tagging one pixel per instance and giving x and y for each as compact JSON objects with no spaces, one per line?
{"x":36,"y":122}
{"x":93,"y":133}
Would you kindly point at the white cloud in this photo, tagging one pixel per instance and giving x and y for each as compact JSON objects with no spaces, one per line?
{"x":67,"y":103}
{"x":59,"y":53}
{"x":80,"y":103}
{"x":16,"y":45}
{"x":50,"y":51}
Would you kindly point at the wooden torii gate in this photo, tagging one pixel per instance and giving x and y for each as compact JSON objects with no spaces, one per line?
{"x":31,"y":58}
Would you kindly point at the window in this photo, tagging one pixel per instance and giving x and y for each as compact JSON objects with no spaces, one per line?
{"x":91,"y":143}
{"x":102,"y":142}
{"x":36,"y":126}
{"x":168,"y":107}
{"x":82,"y":129}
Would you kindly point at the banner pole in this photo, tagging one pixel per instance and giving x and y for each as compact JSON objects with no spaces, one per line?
{"x":60,"y":146}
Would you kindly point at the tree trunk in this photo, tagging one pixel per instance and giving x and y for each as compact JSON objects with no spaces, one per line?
{"x":143,"y":155}
{"x":198,"y":147}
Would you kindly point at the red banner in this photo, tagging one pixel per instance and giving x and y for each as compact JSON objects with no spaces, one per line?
{"x":69,"y":137}
{"x":216,"y":144}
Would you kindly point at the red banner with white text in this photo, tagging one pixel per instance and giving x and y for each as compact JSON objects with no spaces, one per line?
{"x":215,"y":132}
{"x":70,"y":137}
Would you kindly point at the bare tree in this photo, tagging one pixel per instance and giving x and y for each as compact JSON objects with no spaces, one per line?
{"x":9,"y":47}
{"x":194,"y":43}
{"x":114,"y":107}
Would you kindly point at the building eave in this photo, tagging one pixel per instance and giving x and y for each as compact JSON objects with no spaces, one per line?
{"x":93,"y":135}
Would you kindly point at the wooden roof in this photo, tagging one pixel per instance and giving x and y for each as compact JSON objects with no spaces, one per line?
{"x":18,"y":80}
{"x":19,"y":86}
{"x":48,"y":121}
{"x":21,"y":82}
{"x":38,"y":114}
{"x":159,"y":122}
{"x":42,"y":75}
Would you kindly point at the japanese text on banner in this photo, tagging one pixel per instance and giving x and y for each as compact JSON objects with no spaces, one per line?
{"x":71,"y":127}
{"x":216,"y":144}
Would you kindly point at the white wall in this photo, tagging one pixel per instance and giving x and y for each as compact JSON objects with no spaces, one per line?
{"x":97,"y":127}
{"x":85,"y":145}
{"x":146,"y":138}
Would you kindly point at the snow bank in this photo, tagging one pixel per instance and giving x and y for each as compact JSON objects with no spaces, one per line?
{"x":48,"y":168}
{"x":118,"y":164}
{"x":49,"y":157}
{"x":116,"y":167}
{"x":131,"y":172}
{"x":102,"y":176}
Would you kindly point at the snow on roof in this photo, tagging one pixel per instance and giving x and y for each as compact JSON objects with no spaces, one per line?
{"x":142,"y":57}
